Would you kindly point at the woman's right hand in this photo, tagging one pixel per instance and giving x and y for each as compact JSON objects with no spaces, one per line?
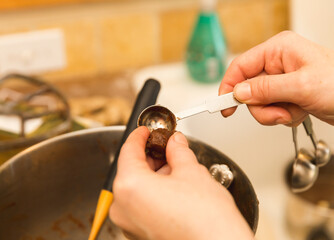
{"x":282,"y":80}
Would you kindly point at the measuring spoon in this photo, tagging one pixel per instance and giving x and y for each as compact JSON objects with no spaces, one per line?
{"x":322,"y":151}
{"x":304,"y":171}
{"x":157,"y":116}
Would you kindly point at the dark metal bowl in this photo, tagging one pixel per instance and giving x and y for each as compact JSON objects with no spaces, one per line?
{"x":50,"y":190}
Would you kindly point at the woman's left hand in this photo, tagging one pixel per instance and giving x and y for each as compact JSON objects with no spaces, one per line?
{"x":179,"y":201}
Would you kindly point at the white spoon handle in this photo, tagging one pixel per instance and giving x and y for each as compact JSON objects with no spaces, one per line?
{"x":213,"y":104}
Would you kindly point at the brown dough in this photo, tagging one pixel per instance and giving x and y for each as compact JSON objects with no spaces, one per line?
{"x":157,"y":142}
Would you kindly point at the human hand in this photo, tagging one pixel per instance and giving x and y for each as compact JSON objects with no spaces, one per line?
{"x":179,"y":201}
{"x":282,"y":80}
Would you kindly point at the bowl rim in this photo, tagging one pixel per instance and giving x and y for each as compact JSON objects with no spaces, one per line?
{"x":58,"y":138}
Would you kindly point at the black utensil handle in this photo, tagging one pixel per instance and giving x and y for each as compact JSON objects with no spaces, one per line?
{"x":319,"y":233}
{"x":146,"y":97}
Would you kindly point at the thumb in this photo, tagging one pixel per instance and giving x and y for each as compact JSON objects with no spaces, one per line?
{"x":178,"y":152}
{"x":266,"y":89}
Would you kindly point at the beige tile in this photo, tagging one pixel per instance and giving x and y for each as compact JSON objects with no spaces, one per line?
{"x":244,"y":23}
{"x":128,"y":41}
{"x":131,"y":38}
{"x":80,"y":49}
{"x":280,"y":13}
{"x":176,"y":28}
{"x":79,"y":45}
{"x":13,"y":30}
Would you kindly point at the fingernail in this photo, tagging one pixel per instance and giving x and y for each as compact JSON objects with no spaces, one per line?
{"x":243,"y":92}
{"x":282,"y":121}
{"x":180,"y":138}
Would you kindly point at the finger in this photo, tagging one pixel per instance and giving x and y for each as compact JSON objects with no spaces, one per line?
{"x":121,"y":216}
{"x":118,"y":217}
{"x":178,"y":152}
{"x":263,"y":90}
{"x":282,"y":113}
{"x":155,"y":164}
{"x":297,"y":113}
{"x":129,"y":235}
{"x":132,"y":155}
{"x":230,"y":111}
{"x":267,"y":56}
{"x":270,"y":115}
{"x":151,"y":163}
{"x":236,"y":72}
{"x":164,"y":170}
{"x":248,"y":65}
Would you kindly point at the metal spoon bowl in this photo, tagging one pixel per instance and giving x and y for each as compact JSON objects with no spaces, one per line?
{"x":160,"y":117}
{"x":322,"y":150}
{"x":323,"y":153}
{"x":304,"y":171}
{"x":157,"y":116}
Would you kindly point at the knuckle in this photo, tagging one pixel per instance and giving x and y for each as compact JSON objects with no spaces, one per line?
{"x":262,"y":89}
{"x":113,"y":214}
{"x":125,"y":187}
{"x":305,"y":85}
{"x":200,"y":169}
{"x":235,"y":61}
{"x":286,"y":34}
{"x":181,"y":151}
{"x":285,"y":37}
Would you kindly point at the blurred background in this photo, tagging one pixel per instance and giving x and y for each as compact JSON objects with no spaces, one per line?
{"x":91,"y":51}
{"x":104,"y":38}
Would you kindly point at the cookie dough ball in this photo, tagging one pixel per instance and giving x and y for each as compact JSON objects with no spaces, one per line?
{"x":157,"y":143}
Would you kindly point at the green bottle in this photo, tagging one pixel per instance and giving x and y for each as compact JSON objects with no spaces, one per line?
{"x":206,"y":52}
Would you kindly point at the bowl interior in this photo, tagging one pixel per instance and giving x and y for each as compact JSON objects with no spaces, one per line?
{"x":50,"y":190}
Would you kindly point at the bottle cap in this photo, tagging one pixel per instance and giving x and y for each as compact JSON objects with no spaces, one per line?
{"x":208,"y":5}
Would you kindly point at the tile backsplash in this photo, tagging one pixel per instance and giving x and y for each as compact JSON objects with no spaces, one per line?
{"x":106,"y":38}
